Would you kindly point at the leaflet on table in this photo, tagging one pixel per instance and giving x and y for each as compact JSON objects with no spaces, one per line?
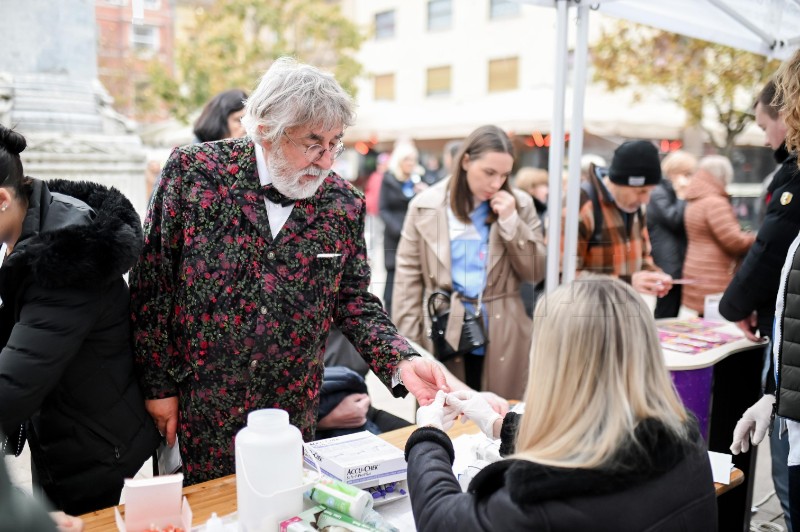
{"x":692,"y":335}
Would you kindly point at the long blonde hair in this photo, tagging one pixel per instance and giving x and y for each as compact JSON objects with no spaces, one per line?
{"x":596,"y":371}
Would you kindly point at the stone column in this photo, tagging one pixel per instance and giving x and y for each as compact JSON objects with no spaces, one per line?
{"x":49,"y":92}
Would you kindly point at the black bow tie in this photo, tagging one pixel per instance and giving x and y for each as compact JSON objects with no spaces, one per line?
{"x":275,"y":196}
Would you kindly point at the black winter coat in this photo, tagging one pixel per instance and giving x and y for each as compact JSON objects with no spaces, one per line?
{"x":667,"y":232}
{"x":755,"y":285}
{"x":787,"y":336}
{"x":66,"y":367}
{"x":664,"y":485}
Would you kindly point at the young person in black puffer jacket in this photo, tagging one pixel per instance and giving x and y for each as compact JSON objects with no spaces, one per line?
{"x":66,"y":365}
{"x":604,"y":445}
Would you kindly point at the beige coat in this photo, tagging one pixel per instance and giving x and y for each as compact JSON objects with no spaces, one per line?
{"x":716,"y":242}
{"x":423,"y":266}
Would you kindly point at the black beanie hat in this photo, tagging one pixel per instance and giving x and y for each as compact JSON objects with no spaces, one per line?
{"x":635,"y":164}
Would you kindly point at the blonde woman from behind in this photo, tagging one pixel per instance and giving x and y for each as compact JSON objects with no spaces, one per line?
{"x":603,"y":436}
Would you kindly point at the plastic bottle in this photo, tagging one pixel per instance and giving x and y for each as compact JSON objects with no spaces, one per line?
{"x":269,"y":471}
{"x":215,"y":524}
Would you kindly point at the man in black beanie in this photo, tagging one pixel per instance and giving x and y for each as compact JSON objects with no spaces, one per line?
{"x":612,"y":233}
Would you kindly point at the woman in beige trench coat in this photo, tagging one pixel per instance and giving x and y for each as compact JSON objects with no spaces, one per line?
{"x":516,"y":252}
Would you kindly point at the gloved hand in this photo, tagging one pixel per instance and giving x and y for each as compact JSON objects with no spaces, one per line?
{"x":437,"y":414}
{"x":497,"y":403}
{"x":753,"y":425}
{"x":475,"y":407}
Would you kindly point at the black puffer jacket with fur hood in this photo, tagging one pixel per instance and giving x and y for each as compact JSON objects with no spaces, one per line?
{"x":66,"y":366}
{"x":657,"y":483}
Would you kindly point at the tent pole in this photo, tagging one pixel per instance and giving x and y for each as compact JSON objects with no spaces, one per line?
{"x":738,"y":17}
{"x":556,"y":159}
{"x":576,"y":144}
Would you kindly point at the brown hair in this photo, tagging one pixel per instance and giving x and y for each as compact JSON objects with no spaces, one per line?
{"x":485,"y":139}
{"x":768,"y":98}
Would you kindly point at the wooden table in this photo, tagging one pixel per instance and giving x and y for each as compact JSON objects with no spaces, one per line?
{"x":219,"y":495}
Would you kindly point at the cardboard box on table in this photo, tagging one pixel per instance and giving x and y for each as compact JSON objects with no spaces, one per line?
{"x":156,"y":501}
{"x":362,"y":460}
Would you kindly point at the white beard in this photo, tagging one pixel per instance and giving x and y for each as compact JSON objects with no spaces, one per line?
{"x":288,"y":181}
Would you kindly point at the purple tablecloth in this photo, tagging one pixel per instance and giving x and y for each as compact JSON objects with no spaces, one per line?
{"x":694,"y":389}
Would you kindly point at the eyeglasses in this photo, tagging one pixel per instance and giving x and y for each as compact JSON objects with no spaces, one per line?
{"x":314,"y":152}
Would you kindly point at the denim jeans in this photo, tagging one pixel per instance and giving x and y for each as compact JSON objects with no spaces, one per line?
{"x":779,"y":449}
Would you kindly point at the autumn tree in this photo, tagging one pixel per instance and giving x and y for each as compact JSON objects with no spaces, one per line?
{"x":233,"y":42}
{"x":699,"y":76}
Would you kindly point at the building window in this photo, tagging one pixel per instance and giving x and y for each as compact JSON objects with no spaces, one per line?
{"x":384,"y":24}
{"x":503,"y":8}
{"x":117,"y":2}
{"x":384,"y":87}
{"x":438,"y":81}
{"x":145,"y":38}
{"x":153,"y":5}
{"x":503,"y":74}
{"x":440,"y":14}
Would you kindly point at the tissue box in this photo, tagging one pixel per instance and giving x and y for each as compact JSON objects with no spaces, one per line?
{"x":156,"y":501}
{"x":361,"y":459}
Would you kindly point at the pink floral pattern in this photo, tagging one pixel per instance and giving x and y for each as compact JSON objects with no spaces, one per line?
{"x":231,"y":320}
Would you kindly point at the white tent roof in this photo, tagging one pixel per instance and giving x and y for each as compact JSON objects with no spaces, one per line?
{"x":766,"y":27}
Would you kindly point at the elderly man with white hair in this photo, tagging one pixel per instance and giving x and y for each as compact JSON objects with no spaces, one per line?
{"x":253,"y":249}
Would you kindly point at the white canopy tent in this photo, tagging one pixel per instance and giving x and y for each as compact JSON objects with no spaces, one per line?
{"x":766,"y":27}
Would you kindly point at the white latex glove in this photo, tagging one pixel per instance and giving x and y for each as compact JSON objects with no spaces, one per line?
{"x":753,"y":425}
{"x":497,"y":403}
{"x":476,"y":408}
{"x":437,"y":414}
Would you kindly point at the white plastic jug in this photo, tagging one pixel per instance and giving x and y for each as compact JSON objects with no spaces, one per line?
{"x":269,"y":471}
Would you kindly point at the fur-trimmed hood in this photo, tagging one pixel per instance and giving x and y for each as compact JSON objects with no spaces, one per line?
{"x":656,"y":451}
{"x":77,"y":234}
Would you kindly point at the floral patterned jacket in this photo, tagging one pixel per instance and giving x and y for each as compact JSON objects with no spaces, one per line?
{"x":230,"y":319}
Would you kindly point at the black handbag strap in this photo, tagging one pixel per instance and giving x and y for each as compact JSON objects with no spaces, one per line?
{"x":432,"y":302}
{"x":444,"y":295}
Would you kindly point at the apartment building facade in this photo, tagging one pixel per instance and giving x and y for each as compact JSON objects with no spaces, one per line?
{"x":130,"y":34}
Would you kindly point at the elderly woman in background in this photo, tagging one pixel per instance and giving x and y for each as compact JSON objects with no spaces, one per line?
{"x":401,"y":182}
{"x":474,"y":237}
{"x":716,"y":241}
{"x":603,"y":431}
{"x":665,"y":225}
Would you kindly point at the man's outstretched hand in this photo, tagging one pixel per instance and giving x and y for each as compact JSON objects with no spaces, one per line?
{"x":422,"y":378}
